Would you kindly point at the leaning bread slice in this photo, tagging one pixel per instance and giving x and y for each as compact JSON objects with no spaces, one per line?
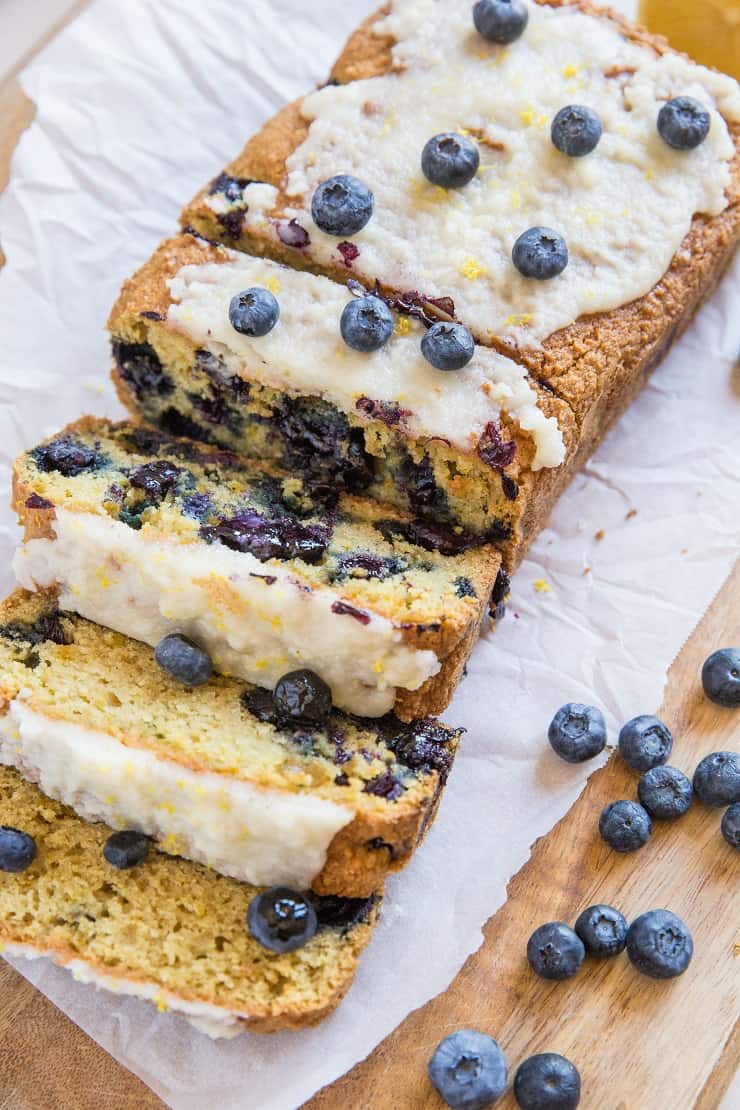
{"x":168,"y":931}
{"x":462,"y":449}
{"x":212,"y":772}
{"x":152,"y":535}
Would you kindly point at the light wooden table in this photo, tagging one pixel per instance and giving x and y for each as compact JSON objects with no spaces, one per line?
{"x":639,"y":1045}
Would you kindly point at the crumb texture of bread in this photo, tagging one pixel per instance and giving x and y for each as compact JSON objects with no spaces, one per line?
{"x":167,"y":924}
{"x":148,"y":535}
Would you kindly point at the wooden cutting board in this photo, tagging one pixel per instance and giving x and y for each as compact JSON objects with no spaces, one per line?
{"x":639,"y":1045}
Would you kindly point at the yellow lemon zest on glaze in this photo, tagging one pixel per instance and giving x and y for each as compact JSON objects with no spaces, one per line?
{"x":519,"y":320}
{"x":403,"y":326}
{"x":541,"y":586}
{"x":570,"y":70}
{"x":527,"y":116}
{"x":472,"y":269}
{"x":273,"y":285}
{"x":378,"y":666}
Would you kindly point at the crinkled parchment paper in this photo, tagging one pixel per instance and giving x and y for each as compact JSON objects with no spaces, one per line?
{"x":138,"y":104}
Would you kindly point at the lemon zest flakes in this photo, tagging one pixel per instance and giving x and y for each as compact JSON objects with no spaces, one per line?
{"x":403,"y":326}
{"x":472,"y":269}
{"x":570,"y":70}
{"x":273,"y":285}
{"x":519,"y":320}
{"x":541,"y":586}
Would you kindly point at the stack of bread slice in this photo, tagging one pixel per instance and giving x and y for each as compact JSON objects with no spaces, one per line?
{"x":244,"y":607}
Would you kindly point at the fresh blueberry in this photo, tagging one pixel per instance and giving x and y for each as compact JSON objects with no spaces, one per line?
{"x":183,"y":659}
{"x":683,"y":123}
{"x":17,"y":849}
{"x":717,"y":779}
{"x":555,"y":951}
{"x":281,"y":919}
{"x":448,"y":346}
{"x":67,"y":456}
{"x":501,"y":21}
{"x":126,"y":849}
{"x":720,"y":677}
{"x":540,"y":253}
{"x":577,"y":732}
{"x":602,"y":929}
{"x":625,"y":826}
{"x":301,"y":697}
{"x":576,"y":130}
{"x":468,"y":1070}
{"x":665,"y":793}
{"x":366,"y":324}
{"x":731,"y":825}
{"x":659,"y":944}
{"x":254,"y":311}
{"x":450,"y":160}
{"x":342,"y":205}
{"x":547,"y":1081}
{"x":644,"y":742}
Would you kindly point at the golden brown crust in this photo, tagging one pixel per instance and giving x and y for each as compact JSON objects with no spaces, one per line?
{"x":598,"y":364}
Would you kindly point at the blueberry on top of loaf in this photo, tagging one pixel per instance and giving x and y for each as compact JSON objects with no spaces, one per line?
{"x":170,"y":931}
{"x":150,"y":534}
{"x":216,"y":772}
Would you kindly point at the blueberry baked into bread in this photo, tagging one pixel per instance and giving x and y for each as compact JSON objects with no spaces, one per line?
{"x":281,"y":364}
{"x":163,"y":929}
{"x":269,"y":790}
{"x":573,"y":190}
{"x":152,"y":535}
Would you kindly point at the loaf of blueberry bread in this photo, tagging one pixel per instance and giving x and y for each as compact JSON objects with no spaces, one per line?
{"x":262,"y":359}
{"x":564,"y":183}
{"x":269,"y":788}
{"x":125,"y":916}
{"x":151,"y":535}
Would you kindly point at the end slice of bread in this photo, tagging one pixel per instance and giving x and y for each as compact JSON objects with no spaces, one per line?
{"x":168,"y":931}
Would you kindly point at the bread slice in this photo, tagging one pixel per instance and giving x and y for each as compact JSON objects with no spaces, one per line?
{"x":168,"y":931}
{"x":148,"y":535}
{"x":211,"y":772}
{"x":594,"y":350}
{"x":462,"y":450}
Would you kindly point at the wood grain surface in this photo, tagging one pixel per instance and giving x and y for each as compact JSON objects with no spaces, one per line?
{"x":640,"y":1045}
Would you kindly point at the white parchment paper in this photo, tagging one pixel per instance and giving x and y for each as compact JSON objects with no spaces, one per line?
{"x":138,"y":104}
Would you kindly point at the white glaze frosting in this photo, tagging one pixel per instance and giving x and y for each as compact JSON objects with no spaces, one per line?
{"x":305,"y":353}
{"x":623,"y":210}
{"x":215,"y":1021}
{"x":254,"y":834}
{"x":146,"y":587}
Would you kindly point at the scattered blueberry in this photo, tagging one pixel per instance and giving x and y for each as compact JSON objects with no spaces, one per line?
{"x":450,"y":160}
{"x":183,"y":659}
{"x":717,"y":779}
{"x":683,"y":123}
{"x":342,"y":205}
{"x":720,"y":677}
{"x":665,"y":793}
{"x":577,"y":732}
{"x":17,"y":849}
{"x":501,"y":21}
{"x":540,"y":253}
{"x":281,"y":919}
{"x":644,"y":742}
{"x":555,"y":951}
{"x":302,"y":697}
{"x":468,"y":1070}
{"x":254,"y":311}
{"x":547,"y":1081}
{"x":731,"y":825}
{"x":659,"y":944}
{"x":448,"y":346}
{"x":67,"y":456}
{"x":603,"y":930}
{"x":366,"y":324}
{"x":126,"y":849}
{"x":576,"y":130}
{"x":625,"y":826}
